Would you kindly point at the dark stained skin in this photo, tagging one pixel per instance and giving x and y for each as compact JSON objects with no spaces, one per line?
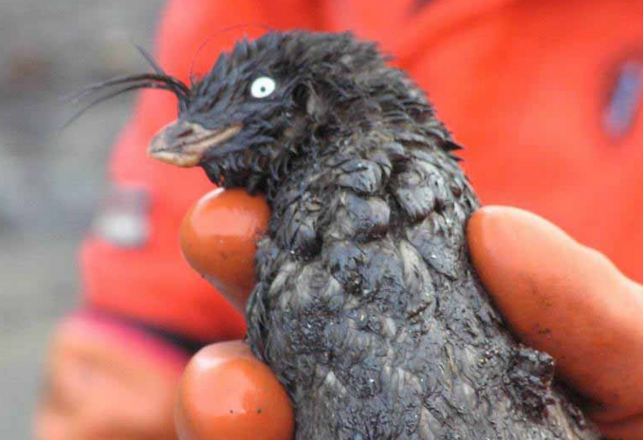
{"x":366,"y":307}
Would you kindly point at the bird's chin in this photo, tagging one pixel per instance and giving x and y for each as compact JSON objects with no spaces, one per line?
{"x":214,"y":172}
{"x":184,"y":144}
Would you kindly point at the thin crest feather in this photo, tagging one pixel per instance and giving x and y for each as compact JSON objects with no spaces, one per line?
{"x":150,"y":60}
{"x":157,"y":80}
{"x":151,"y":78}
{"x":111,"y":95}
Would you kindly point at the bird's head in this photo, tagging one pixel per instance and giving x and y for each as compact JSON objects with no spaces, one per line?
{"x":269,"y":101}
{"x":263,"y":102}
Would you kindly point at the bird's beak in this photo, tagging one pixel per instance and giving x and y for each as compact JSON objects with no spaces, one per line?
{"x":183,"y":143}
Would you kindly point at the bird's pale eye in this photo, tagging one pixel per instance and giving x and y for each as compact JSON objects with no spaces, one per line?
{"x":262,"y":87}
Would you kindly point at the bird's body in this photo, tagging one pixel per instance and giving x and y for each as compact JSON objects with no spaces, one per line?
{"x":366,"y":306}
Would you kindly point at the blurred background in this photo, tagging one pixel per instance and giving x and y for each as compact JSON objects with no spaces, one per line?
{"x":51,"y":180}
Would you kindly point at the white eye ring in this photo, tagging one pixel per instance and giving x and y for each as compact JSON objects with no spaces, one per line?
{"x":262,"y":87}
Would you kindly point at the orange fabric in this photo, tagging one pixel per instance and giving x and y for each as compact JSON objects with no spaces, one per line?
{"x":521,"y":83}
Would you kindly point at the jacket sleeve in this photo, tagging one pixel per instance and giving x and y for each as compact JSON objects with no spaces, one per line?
{"x":131,"y":265}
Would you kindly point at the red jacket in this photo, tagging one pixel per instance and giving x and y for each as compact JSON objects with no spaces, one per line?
{"x":544,"y":94}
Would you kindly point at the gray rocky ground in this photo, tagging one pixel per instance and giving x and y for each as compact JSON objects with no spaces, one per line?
{"x":52,"y":181}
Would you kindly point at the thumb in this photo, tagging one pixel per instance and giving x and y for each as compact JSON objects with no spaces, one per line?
{"x":571,"y":302}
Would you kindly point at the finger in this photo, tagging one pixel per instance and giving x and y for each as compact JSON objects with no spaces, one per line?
{"x":218,"y":239}
{"x":50,"y":423}
{"x":567,"y":300}
{"x":226,"y":393}
{"x":107,"y":380}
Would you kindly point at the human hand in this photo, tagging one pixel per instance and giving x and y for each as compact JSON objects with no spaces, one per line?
{"x":571,"y":302}
{"x":106,"y":381}
{"x":555,"y":294}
